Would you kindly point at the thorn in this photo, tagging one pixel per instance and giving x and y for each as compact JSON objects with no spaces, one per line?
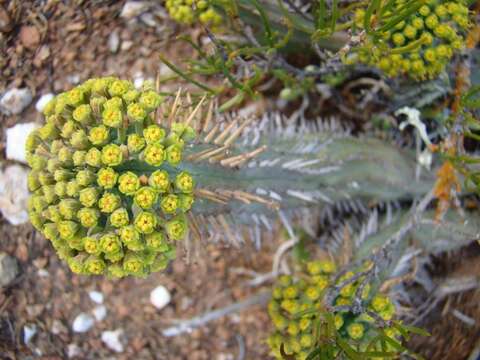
{"x":194,"y":112}
{"x":219,"y":140}
{"x":237,"y":132}
{"x":209,"y":117}
{"x":212,"y":133}
{"x":174,"y":107}
{"x":239,"y":159}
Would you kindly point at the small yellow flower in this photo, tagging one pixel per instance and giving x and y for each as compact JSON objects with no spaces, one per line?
{"x":109,"y":202}
{"x":135,"y":143}
{"x":99,"y":135}
{"x":112,"y":117}
{"x":184,"y":182}
{"x":110,"y":244}
{"x":145,"y":222}
{"x":136,"y":112}
{"x":119,"y":218}
{"x":159,"y":181}
{"x":112,"y":155}
{"x":154,"y":154}
{"x":355,"y":331}
{"x":145,"y":197}
{"x":169,"y":204}
{"x":88,"y":217}
{"x":128,"y":183}
{"x":153,"y":133}
{"x":107,"y":178}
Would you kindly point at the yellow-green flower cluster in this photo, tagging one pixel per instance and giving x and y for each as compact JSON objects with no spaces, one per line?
{"x":420,"y":46}
{"x":298,"y":303}
{"x":190,"y":11}
{"x":106,"y":189}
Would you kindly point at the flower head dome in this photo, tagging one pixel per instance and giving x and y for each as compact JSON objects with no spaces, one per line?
{"x":419,"y":46}
{"x":106,"y":187}
{"x":297,"y":310}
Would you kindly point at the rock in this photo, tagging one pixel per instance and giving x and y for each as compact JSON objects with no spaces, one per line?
{"x":58,"y":328}
{"x":114,"y":42}
{"x":132,"y":9}
{"x":112,"y":340}
{"x":99,"y":312}
{"x":15,"y":100}
{"x":73,"y":350}
{"x":43,"y":101}
{"x":29,"y":331}
{"x":73,"y":79}
{"x":8,"y":269}
{"x":14,"y":194}
{"x":5,"y":21}
{"x":96,"y":297}
{"x":126,"y":45}
{"x":160,"y":297}
{"x":16,"y":138}
{"x":82,"y":323}
{"x":29,"y":36}
{"x":41,"y":55}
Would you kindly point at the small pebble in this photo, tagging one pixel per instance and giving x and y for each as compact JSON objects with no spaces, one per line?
{"x":43,"y":101}
{"x":96,"y":296}
{"x":14,"y":101}
{"x":16,"y":138}
{"x":99,"y":312}
{"x":112,"y":340}
{"x":82,"y":323}
{"x":132,"y":9}
{"x":14,"y":194}
{"x":114,"y":42}
{"x":29,"y":332}
{"x":160,"y":297}
{"x":8,"y":269}
{"x":73,"y":350}
{"x":58,"y":327}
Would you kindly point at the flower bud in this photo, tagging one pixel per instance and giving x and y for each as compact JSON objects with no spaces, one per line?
{"x":107,"y":178}
{"x":184,"y":182}
{"x":89,"y":196}
{"x":68,"y":129}
{"x":65,"y":156}
{"x":150,"y":100}
{"x":118,"y":87}
{"x":153,"y":133}
{"x":119,"y":218}
{"x":83,"y":114}
{"x":112,"y":155}
{"x":115,"y":271}
{"x":88,"y":217}
{"x":37,"y":220}
{"x":136,"y":112}
{"x":78,"y":158}
{"x":55,"y":146}
{"x":68,"y":208}
{"x":94,"y":265}
{"x":185,"y":202}
{"x":135,"y":143}
{"x":133,"y":264}
{"x":67,"y":229}
{"x":169,"y":204}
{"x":156,"y":242}
{"x":93,"y":157}
{"x":49,"y":108}
{"x":109,"y":202}
{"x":53,"y":214}
{"x":99,"y":135}
{"x":97,"y":103}
{"x":62,"y":175}
{"x":75,"y":97}
{"x":159,"y":263}
{"x":174,"y":154}
{"x":73,"y":188}
{"x":76,"y":264}
{"x":32,"y":181}
{"x":85,"y":177}
{"x":159,"y":181}
{"x":154,"y":154}
{"x":177,"y":228}
{"x":128,"y":183}
{"x":110,"y":243}
{"x":131,"y":238}
{"x":92,"y":245}
{"x":130,"y":96}
{"x":145,"y":222}
{"x":145,"y":197}
{"x":53,"y":165}
{"x":355,"y":331}
{"x":48,"y":132}
{"x":113,"y":103}
{"x":45,"y":178}
{"x":50,"y":231}
{"x":49,"y":194}
{"x":112,"y":117}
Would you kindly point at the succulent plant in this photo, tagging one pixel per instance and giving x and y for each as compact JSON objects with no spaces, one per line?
{"x":300,"y":315}
{"x":420,"y":46}
{"x":190,"y":11}
{"x":101,"y":212}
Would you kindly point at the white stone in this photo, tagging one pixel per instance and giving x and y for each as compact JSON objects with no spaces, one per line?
{"x":14,"y":194}
{"x":112,"y":339}
{"x":138,"y":80}
{"x":96,"y":296}
{"x":73,"y":350}
{"x":58,"y":327}
{"x":160,"y":297}
{"x":16,"y":138}
{"x":43,"y":273}
{"x":73,"y":79}
{"x":132,"y":9}
{"x":82,"y":323}
{"x":14,"y":101}
{"x":43,"y":101}
{"x":114,"y":42}
{"x":29,"y":332}
{"x":99,"y":312}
